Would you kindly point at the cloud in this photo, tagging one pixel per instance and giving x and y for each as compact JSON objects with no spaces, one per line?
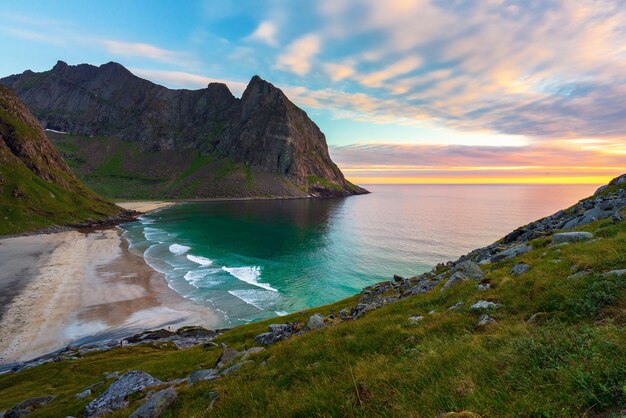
{"x":142,"y":50}
{"x":377,"y":78}
{"x":440,"y":161}
{"x":266,"y":33}
{"x":180,"y":79}
{"x":298,"y":55}
{"x":338,"y":72}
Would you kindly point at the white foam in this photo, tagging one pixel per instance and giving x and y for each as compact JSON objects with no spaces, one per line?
{"x":179,"y":249}
{"x":249,"y":275}
{"x":281,"y":313}
{"x":260,"y":299}
{"x":200,"y":260}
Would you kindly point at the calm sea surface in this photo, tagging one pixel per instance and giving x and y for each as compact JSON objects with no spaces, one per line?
{"x":252,"y":260}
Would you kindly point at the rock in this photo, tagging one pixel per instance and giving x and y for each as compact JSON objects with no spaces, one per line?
{"x":456,"y":306}
{"x":314,"y":322}
{"x":423,"y":286}
{"x":618,"y":273}
{"x":201,"y":375}
{"x":520,"y":269}
{"x":115,"y":397}
{"x":432,"y":312}
{"x":228,"y":356}
{"x":580,"y":274}
{"x":156,"y":405}
{"x":112,"y":375}
{"x":276,"y":333}
{"x":398,"y":278}
{"x":213,"y":397}
{"x":569,"y":237}
{"x":484,"y":304}
{"x":26,"y":407}
{"x":416,"y":318}
{"x":485,"y":319}
{"x":511,"y":253}
{"x":236,"y":367}
{"x":593,"y":215}
{"x":535,"y":317}
{"x":469,"y":269}
{"x":83,"y":394}
{"x":483,"y":286}
{"x":252,"y":350}
{"x":455,"y":278}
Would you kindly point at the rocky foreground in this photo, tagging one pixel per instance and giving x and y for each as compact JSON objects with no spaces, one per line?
{"x":470,"y":293}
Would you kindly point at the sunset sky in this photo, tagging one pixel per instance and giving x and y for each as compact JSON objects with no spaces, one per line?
{"x":440,"y":91}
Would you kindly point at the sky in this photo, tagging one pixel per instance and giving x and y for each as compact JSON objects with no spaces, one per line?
{"x":423,"y":91}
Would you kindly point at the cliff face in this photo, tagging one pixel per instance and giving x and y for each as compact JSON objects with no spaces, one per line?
{"x":262,"y":133}
{"x":37,"y":188}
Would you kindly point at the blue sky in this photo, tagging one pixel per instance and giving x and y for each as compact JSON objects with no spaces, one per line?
{"x":539,"y":85}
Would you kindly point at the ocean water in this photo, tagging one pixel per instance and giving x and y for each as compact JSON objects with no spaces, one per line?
{"x":251,"y":260}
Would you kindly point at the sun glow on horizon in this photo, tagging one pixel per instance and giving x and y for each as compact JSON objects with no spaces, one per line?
{"x":593,"y":180}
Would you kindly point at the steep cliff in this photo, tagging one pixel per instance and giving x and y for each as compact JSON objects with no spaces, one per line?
{"x":121,"y":129}
{"x":37,"y":188}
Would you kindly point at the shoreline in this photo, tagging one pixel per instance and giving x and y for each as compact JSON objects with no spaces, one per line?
{"x":55,"y":293}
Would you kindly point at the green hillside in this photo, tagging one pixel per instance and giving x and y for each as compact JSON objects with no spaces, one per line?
{"x":37,"y":189}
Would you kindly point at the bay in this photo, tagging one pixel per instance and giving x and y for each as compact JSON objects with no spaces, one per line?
{"x":251,"y":260}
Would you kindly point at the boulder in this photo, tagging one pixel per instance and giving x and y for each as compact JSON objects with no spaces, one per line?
{"x":314,"y":322}
{"x":276,"y":333}
{"x":511,"y":253}
{"x":236,"y":367}
{"x":455,"y":278}
{"x":83,"y":394}
{"x":484,"y":304}
{"x":252,"y":350}
{"x":456,"y":306}
{"x":469,"y":269}
{"x":26,"y":407}
{"x":416,"y":318}
{"x":520,"y":268}
{"x":227,"y":356}
{"x":398,"y":278}
{"x":116,"y":395}
{"x":485,"y":319}
{"x":201,"y":375}
{"x":156,"y":405}
{"x":569,"y":237}
{"x":618,"y":273}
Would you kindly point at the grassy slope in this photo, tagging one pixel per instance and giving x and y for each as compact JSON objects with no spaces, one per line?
{"x":571,"y":362}
{"x":119,"y":170}
{"x":29,"y":202}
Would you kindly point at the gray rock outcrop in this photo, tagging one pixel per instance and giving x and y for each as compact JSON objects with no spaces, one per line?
{"x":156,"y":405}
{"x":116,"y":396}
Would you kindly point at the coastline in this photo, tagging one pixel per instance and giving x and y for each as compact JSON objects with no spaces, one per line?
{"x":82,"y":286}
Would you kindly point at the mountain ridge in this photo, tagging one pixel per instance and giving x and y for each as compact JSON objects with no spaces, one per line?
{"x":263,"y":131}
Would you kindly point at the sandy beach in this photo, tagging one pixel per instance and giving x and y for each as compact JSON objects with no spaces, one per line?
{"x":74,"y":286}
{"x":144,"y":206}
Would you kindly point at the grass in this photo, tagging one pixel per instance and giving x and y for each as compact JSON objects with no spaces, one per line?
{"x":320,"y":181}
{"x":570,"y":362}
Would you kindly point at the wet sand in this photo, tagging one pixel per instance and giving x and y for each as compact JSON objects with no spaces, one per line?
{"x":72,"y":286}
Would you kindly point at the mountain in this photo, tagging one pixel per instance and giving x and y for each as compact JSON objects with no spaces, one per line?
{"x":37,"y":188}
{"x":533,"y":325}
{"x":128,"y":137}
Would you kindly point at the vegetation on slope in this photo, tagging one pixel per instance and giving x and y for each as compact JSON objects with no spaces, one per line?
{"x":37,"y":188}
{"x":569,"y":360}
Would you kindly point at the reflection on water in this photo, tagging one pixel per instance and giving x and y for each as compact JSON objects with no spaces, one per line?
{"x":257,"y":259}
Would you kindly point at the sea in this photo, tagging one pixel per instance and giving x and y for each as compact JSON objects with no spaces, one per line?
{"x":253,"y":260}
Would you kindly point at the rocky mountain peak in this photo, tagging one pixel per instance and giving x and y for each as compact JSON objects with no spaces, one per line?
{"x":263,"y":130}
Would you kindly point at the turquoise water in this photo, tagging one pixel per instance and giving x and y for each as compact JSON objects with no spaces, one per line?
{"x":251,"y":260}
